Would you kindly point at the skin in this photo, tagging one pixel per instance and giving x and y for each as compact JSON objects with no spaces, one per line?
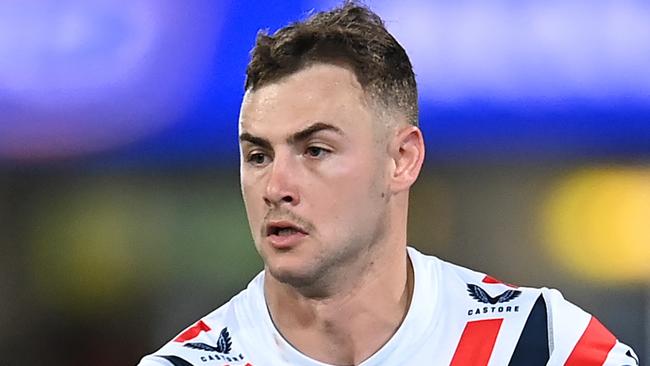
{"x":316,"y":154}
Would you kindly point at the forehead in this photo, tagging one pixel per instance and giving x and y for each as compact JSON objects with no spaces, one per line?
{"x":318,"y":93}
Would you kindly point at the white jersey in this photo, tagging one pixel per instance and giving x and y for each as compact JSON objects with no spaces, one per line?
{"x":457,"y":317}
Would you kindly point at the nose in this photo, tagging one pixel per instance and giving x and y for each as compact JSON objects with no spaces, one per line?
{"x":281,"y":186}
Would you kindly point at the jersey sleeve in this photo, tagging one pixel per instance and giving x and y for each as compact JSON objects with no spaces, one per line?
{"x":577,"y":338}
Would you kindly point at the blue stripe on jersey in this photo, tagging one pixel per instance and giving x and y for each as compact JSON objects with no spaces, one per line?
{"x":176,"y":361}
{"x":532,"y":347}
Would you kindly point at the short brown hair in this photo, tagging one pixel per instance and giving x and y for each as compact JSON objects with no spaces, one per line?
{"x":351,"y":34}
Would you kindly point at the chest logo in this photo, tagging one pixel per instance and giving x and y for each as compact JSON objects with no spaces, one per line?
{"x":480,"y":295}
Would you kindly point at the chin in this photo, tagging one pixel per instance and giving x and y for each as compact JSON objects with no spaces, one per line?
{"x":296,"y":275}
{"x":296,"y":268}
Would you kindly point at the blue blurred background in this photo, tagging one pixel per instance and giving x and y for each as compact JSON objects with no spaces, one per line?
{"x":120,"y":215}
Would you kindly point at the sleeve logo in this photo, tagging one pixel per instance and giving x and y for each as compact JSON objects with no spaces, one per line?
{"x":221,"y":351}
{"x":480,"y":295}
{"x":224,"y":344}
{"x":494,"y":306}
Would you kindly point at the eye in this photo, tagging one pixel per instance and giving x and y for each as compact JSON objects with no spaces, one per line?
{"x":316,"y":152}
{"x":257,"y":158}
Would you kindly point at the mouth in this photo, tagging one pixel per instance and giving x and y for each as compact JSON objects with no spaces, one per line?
{"x":283,"y":228}
{"x":284,"y":235}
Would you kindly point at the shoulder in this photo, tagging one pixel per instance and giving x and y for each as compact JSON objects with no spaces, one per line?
{"x":579,"y":338}
{"x":448,"y":274}
{"x":539,"y":323}
{"x":211,"y":338}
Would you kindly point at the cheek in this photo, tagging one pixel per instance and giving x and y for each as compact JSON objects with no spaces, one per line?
{"x":246,"y":192}
{"x":252,"y":197}
{"x":350,"y":189}
{"x":250,"y":181}
{"x":359,"y":174}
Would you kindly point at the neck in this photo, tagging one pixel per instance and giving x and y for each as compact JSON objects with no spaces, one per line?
{"x":353,"y":322}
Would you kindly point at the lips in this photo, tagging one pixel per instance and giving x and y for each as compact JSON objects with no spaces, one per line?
{"x":284,"y":234}
{"x":282,"y":228}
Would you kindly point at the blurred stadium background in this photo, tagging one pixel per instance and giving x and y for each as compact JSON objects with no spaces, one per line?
{"x":120,"y":215}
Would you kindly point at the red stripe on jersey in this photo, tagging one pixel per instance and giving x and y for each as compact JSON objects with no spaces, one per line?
{"x":492,"y":280}
{"x":476,"y":343}
{"x":192,"y":331}
{"x":593,"y":346}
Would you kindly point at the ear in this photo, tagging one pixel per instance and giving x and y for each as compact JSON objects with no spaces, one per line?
{"x":407,"y":154}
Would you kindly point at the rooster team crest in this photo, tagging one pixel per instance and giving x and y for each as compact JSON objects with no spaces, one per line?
{"x":480,"y":295}
{"x":224,"y":343}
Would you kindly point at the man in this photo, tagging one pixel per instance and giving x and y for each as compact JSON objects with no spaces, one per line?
{"x":329,"y":149}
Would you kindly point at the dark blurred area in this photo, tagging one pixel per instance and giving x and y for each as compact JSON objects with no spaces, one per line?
{"x":121,"y":220}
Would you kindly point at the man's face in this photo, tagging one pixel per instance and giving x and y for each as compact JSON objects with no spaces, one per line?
{"x":313,"y":174}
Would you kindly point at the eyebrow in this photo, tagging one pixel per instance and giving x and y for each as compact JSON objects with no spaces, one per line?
{"x":312,"y":129}
{"x":261,"y":142}
{"x":295,"y":138}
